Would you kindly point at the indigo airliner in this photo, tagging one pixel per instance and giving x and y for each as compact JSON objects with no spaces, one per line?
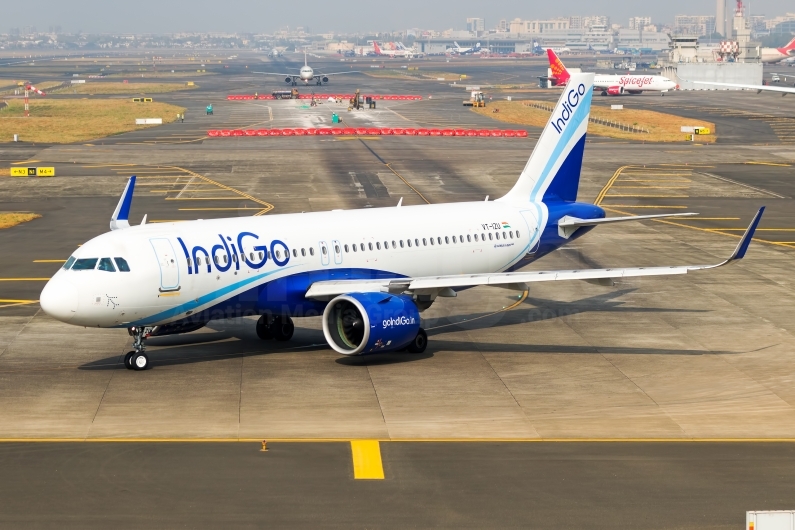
{"x":369,"y":273}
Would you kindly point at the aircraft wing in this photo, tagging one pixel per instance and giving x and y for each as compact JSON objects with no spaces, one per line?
{"x":759,"y":88}
{"x":277,"y":73}
{"x":515,"y":280}
{"x":343,"y":73}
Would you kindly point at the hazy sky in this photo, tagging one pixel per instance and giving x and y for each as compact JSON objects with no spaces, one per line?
{"x":166,"y":16}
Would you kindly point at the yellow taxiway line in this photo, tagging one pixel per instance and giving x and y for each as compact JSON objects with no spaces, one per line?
{"x":366,"y":455}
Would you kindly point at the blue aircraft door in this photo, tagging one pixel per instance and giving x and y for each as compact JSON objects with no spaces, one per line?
{"x":167,"y":260}
{"x":324,"y":253}
{"x":337,"y":251}
{"x":530,"y":218}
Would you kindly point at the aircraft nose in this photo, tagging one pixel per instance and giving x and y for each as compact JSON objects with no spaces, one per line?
{"x":59,"y":299}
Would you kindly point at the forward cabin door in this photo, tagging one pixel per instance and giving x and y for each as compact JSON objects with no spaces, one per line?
{"x":167,"y":260}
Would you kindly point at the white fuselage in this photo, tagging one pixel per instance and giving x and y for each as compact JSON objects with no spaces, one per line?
{"x":167,"y":282}
{"x":306,"y":73}
{"x":634,"y":83}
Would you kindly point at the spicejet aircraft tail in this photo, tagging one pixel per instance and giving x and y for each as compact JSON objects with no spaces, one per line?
{"x":559,"y":72}
{"x":368,"y":273}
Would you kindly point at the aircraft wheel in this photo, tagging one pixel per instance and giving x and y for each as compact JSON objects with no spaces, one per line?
{"x":264,"y":331}
{"x":419,"y":343}
{"x":140,"y":362}
{"x":128,"y":360}
{"x":282,"y":328}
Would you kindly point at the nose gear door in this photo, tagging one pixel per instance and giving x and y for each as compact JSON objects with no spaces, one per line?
{"x":167,"y":260}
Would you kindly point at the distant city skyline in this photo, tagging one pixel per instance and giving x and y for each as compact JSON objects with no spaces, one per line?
{"x":345,"y":16}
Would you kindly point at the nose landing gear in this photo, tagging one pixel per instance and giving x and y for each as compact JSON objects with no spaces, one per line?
{"x":137,"y":359}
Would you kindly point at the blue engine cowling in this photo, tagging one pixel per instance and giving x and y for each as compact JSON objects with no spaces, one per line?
{"x":361,"y":323}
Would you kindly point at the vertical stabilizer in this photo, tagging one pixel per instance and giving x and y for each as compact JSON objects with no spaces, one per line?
{"x":557,"y":67}
{"x":553,"y":171}
{"x":121,"y":215}
{"x":789,"y":48}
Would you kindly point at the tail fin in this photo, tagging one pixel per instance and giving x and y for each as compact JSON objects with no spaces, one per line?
{"x":559,"y":71}
{"x":305,"y":58}
{"x":553,"y":171}
{"x":376,"y":49}
{"x":121,"y":215}
{"x":788,"y":48}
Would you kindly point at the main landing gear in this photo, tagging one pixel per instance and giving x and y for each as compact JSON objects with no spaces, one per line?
{"x":137,"y":359}
{"x":276,"y":327}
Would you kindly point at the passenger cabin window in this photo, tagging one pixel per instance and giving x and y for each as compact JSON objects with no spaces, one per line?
{"x":394,"y":245}
{"x":85,"y":264}
{"x":517,"y":234}
{"x":409,"y":242}
{"x":347,"y":249}
{"x":311,"y":251}
{"x":370,"y":246}
{"x":401,"y":243}
{"x":69,"y":263}
{"x":439,"y":240}
{"x":105,"y":264}
{"x":497,"y":235}
{"x":424,"y":242}
{"x":378,"y":245}
{"x":491,"y":237}
{"x":432,"y":241}
{"x":354,"y":247}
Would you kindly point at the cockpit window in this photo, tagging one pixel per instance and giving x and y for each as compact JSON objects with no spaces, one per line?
{"x":122,"y":264}
{"x":105,"y":264}
{"x":85,"y":264}
{"x":68,"y":264}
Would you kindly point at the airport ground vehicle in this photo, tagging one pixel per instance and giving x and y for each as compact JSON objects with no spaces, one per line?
{"x":476,"y":99}
{"x":285,"y":94}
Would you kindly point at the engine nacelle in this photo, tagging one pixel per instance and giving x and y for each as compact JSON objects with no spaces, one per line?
{"x":325,"y":79}
{"x":361,"y":323}
{"x":615,"y":90}
{"x":288,"y":79}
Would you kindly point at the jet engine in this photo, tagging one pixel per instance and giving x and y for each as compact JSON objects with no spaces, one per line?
{"x":325,"y":79}
{"x":361,"y":323}
{"x":615,"y":90}
{"x":288,"y":79}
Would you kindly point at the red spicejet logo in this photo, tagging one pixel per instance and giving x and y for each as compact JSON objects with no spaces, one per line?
{"x":638,"y":81}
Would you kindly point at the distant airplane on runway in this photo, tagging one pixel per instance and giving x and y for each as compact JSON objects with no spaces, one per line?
{"x":460,"y":50}
{"x":614,"y":85}
{"x":368,"y":272}
{"x":774,"y":55}
{"x":307,"y":74}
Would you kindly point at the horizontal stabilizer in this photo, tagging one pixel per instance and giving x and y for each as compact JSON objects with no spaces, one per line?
{"x":568,"y":225}
{"x":517,"y":280}
{"x":121,"y":216}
